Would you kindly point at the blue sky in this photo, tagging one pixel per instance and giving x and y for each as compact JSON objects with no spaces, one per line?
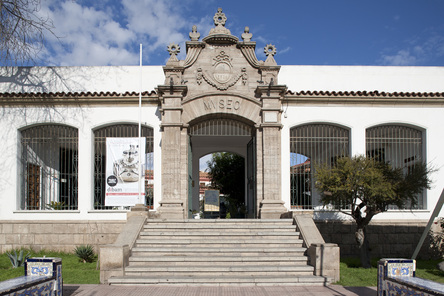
{"x":327,"y":32}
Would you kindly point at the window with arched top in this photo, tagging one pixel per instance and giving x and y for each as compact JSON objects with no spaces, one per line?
{"x":121,"y":131}
{"x":312,"y":144}
{"x":49,"y":166}
{"x":400,"y":146}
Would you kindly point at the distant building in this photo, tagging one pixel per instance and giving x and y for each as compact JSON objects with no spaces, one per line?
{"x":204,"y":183}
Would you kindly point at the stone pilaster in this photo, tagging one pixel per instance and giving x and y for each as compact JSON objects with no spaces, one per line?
{"x":271,"y":204}
{"x":174,"y":193}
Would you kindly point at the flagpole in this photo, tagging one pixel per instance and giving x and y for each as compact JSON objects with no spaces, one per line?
{"x":140,"y":131}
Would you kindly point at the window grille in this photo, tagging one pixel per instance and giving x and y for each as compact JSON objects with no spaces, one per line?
{"x":309,"y":145}
{"x":49,"y":168}
{"x":220,"y":127}
{"x":398,"y":145}
{"x":121,"y":131}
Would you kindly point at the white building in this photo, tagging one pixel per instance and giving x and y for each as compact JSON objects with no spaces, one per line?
{"x":55,"y":121}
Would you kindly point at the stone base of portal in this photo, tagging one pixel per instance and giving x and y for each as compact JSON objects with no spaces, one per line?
{"x":272,"y":209}
{"x":171,"y":209}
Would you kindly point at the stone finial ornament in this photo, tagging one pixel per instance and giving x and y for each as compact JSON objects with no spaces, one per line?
{"x":219,"y":18}
{"x":270,"y":50}
{"x":173,"y":49}
{"x":194,"y":35}
{"x":246,"y":36}
{"x":220,"y":34}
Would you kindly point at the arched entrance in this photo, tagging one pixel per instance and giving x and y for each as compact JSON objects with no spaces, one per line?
{"x":225,"y":134}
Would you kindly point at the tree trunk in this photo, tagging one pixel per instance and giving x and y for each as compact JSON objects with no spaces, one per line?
{"x":361,"y":239}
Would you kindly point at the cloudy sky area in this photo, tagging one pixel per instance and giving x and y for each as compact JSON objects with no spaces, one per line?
{"x":324,"y":32}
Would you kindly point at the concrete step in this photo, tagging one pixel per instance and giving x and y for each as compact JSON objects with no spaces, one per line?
{"x":134,"y":263}
{"x":217,"y":261}
{"x":219,"y":274}
{"x":219,"y":233}
{"x":220,"y":224}
{"x":220,"y":269}
{"x":232,"y":226}
{"x":222,"y":221}
{"x":218,"y":240}
{"x":208,"y":255}
{"x":239,"y":247}
{"x":217,"y":271}
{"x":208,"y":280}
{"x":219,"y":244}
{"x":218,"y":251}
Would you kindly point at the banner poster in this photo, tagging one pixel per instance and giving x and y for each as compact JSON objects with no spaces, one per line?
{"x":122,"y":171}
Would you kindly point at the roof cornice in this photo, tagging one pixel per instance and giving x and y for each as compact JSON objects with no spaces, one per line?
{"x":302,"y":97}
{"x":365,"y":97}
{"x":77,"y":98}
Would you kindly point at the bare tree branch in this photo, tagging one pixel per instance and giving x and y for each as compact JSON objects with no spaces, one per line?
{"x":22,"y":32}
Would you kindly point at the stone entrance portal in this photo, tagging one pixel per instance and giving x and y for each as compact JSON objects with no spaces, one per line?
{"x":221,"y":79}
{"x":223,"y":135}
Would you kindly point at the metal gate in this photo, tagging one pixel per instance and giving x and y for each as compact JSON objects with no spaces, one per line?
{"x":251,"y":179}
{"x":190,"y":179}
{"x":49,"y":162}
{"x":220,"y":127}
{"x":313,"y":144}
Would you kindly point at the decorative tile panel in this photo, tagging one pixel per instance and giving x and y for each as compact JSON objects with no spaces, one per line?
{"x":397,"y":277}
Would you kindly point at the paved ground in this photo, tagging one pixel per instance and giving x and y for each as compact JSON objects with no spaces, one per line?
{"x":105,"y":290}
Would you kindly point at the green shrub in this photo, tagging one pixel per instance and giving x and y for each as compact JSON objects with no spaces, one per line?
{"x":17,"y":260}
{"x":85,"y":253}
{"x":55,"y":205}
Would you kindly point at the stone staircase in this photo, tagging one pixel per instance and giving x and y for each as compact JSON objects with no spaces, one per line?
{"x":218,"y":252}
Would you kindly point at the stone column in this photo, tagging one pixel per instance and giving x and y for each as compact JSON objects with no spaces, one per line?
{"x":271,"y":205}
{"x":174,"y":193}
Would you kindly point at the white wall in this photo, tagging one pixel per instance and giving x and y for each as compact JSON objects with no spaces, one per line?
{"x":85,"y":119}
{"x":357,"y":119}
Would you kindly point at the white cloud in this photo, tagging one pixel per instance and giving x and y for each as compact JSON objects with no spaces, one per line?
{"x":203,"y":162}
{"x":260,"y":54}
{"x":401,"y":58}
{"x":420,"y":49}
{"x":87,"y":37}
{"x":157,"y":22}
{"x":110,"y":34}
{"x":287,"y":49}
{"x":434,"y":45}
{"x":204,"y":25}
